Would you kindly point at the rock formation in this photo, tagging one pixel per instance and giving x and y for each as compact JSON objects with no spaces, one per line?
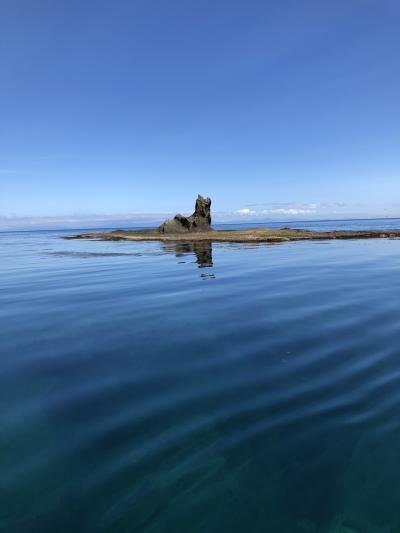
{"x":199,"y":221}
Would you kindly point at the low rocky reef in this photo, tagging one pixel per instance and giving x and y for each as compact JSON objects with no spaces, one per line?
{"x":239,"y":236}
{"x":197,"y":227}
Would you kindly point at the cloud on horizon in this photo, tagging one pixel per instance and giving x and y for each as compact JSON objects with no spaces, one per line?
{"x":262,"y":212}
{"x":245,"y":212}
{"x":274,"y":210}
{"x":314,"y":211}
{"x":14,"y":222}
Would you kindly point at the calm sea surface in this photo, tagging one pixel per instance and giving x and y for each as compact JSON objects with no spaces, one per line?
{"x":184,"y":389}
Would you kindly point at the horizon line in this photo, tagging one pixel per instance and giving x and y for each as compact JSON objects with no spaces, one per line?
{"x":31,"y":230}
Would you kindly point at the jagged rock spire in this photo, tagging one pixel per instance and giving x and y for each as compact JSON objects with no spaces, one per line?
{"x":199,"y":221}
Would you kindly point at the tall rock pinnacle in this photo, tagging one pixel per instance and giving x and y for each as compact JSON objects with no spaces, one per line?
{"x":199,"y":221}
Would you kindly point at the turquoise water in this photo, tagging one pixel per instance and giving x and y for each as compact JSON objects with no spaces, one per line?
{"x":223,"y":388}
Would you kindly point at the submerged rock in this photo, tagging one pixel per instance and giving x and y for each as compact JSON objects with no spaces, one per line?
{"x":199,"y":221}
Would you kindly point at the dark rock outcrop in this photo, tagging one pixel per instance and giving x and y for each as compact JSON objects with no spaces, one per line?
{"x":199,"y":221}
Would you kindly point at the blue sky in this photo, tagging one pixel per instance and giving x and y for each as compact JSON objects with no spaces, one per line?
{"x":274,"y":109}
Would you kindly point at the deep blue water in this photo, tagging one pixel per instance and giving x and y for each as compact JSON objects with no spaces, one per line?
{"x":224,"y":388}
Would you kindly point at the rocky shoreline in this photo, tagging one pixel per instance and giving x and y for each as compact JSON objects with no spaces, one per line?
{"x":238,"y":236}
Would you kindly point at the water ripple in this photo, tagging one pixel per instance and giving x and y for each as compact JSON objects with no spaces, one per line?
{"x":135,"y":397}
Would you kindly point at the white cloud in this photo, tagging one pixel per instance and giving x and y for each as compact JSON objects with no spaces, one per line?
{"x":285,"y":210}
{"x":14,"y":222}
{"x":245,"y":212}
{"x":289,"y":211}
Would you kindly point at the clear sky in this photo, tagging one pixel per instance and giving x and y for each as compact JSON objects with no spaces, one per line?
{"x":136,"y":106}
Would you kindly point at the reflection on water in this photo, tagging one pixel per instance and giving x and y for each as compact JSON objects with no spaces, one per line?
{"x":135,"y":398}
{"x":202,"y":251}
{"x":207,"y":276}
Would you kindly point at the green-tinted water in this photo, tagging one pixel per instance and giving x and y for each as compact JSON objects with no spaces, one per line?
{"x":146,"y":388}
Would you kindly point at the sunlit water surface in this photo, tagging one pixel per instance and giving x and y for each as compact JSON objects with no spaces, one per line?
{"x":224,"y":388}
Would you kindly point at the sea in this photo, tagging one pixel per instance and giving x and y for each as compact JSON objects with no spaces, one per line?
{"x":187,"y":388}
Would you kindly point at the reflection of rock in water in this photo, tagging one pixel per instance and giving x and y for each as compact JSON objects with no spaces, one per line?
{"x":207,"y":276}
{"x":202,"y":251}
